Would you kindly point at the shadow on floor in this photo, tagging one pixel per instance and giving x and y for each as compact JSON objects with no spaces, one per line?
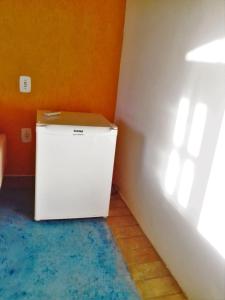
{"x":20,"y":201}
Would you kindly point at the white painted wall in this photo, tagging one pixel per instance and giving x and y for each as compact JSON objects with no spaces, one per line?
{"x":154,"y":77}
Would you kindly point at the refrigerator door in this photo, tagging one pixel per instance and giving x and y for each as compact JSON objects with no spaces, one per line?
{"x":74,"y":166}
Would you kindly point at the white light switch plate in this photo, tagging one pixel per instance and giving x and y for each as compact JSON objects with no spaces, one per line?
{"x":26,"y":135}
{"x":25,"y":84}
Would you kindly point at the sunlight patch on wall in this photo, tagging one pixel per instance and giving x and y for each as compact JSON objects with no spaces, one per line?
{"x":172,"y":172}
{"x":213,"y":52}
{"x":180,"y":172}
{"x":181,"y":122}
{"x":212,"y":219}
{"x":197,"y":129}
{"x":186,"y":181}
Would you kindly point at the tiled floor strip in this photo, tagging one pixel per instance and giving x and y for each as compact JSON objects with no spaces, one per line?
{"x":152,"y":278}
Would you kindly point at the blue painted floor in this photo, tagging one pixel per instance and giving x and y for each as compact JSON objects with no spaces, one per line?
{"x":58,"y":260}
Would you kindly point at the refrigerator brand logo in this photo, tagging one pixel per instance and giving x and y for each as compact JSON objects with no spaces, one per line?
{"x":78,"y":130}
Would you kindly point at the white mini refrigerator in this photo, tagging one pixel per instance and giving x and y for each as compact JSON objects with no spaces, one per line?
{"x":74,"y":165}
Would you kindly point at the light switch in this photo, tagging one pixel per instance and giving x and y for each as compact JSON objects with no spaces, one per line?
{"x":25,"y":84}
{"x":26,"y":135}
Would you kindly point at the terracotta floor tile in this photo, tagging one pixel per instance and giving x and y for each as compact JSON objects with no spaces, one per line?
{"x":158,"y":287}
{"x":127,"y":231}
{"x":139,"y":242}
{"x":150,"y":274}
{"x":116,"y":202}
{"x":139,"y":256}
{"x":148,"y":270}
{"x":171,"y":297}
{"x":119,"y":212}
{"x":121,"y":221}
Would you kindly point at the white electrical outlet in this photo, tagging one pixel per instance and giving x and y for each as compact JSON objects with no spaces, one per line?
{"x":26,"y":135}
{"x":25,"y":84}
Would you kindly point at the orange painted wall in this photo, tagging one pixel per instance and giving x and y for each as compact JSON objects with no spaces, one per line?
{"x":71,"y":49}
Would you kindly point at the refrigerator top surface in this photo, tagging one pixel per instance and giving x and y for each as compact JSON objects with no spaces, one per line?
{"x":72,"y":118}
